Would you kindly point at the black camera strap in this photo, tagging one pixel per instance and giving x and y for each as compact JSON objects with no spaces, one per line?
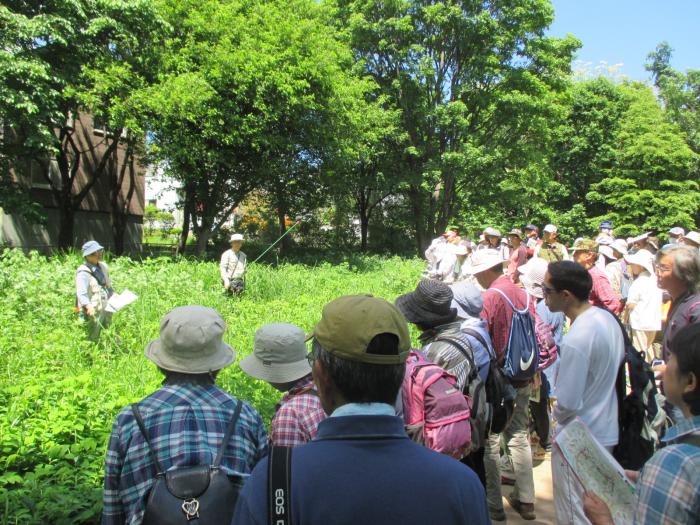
{"x":279,"y":478}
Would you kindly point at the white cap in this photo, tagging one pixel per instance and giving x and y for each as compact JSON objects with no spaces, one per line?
{"x":236,"y":237}
{"x":550,"y":228}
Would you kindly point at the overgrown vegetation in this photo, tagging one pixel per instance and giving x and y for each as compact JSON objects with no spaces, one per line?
{"x":59,"y":394}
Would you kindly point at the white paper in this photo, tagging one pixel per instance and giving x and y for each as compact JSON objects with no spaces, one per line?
{"x":597,"y":470}
{"x":120,"y":300}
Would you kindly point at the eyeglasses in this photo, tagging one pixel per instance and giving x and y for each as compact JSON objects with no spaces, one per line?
{"x":547,"y":290}
{"x":661,"y":268}
{"x":311,"y":357}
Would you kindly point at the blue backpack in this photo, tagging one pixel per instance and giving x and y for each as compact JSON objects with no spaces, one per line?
{"x":522,"y":351}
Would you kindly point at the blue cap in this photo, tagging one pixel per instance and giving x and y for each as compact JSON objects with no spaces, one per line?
{"x":91,"y":247}
{"x":606,"y":224}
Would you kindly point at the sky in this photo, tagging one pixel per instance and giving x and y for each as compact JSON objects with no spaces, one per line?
{"x":617,"y":35}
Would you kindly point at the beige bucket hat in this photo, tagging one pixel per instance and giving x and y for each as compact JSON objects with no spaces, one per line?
{"x":279,"y":354}
{"x":483,"y":260}
{"x":191,"y":341}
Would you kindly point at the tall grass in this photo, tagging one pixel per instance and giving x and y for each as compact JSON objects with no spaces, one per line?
{"x":59,"y":393}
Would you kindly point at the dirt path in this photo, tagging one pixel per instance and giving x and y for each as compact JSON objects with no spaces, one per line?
{"x":544,"y":506}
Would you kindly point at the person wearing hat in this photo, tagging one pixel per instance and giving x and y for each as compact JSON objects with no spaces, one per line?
{"x":675,"y":235}
{"x":93,"y":289}
{"x":616,"y":268}
{"x":362,"y":467}
{"x":518,"y":252}
{"x":233,"y":266}
{"x":605,"y":233}
{"x":550,"y":249}
{"x":640,"y":242}
{"x":532,"y":239}
{"x":487,"y":267}
{"x":692,"y":239}
{"x":279,"y":358}
{"x":492,"y":241}
{"x":585,"y":253}
{"x":643,"y":308}
{"x":549,"y":327}
{"x":185,"y":419}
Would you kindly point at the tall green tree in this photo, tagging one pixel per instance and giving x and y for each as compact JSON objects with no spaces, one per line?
{"x":51,"y":56}
{"x":476,"y":84}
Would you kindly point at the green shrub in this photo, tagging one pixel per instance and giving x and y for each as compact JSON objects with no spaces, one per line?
{"x":59,"y":394}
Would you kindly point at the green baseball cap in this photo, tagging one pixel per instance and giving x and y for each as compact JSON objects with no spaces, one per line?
{"x":585,"y":245}
{"x":350,"y":322}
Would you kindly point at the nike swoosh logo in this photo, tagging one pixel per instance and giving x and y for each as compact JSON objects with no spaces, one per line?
{"x":525,"y":365}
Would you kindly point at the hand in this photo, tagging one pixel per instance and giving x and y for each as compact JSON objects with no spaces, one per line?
{"x":632,"y":475}
{"x":89,"y":310}
{"x":596,"y":509}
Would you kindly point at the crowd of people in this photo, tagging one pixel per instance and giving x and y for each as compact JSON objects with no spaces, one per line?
{"x":342,"y":409}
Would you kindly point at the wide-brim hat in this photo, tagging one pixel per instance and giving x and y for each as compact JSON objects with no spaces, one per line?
{"x":638,"y":238}
{"x":429,"y":304}
{"x":279,"y":354}
{"x":483,"y":260}
{"x":191,"y":341}
{"x":693,"y":237}
{"x":516,"y":232}
{"x":492,"y":232}
{"x":676,"y":230}
{"x":643,"y":258}
{"x":532,"y":276}
{"x":584,"y":245}
{"x":467,"y":299}
{"x":620,"y":246}
{"x":91,"y":247}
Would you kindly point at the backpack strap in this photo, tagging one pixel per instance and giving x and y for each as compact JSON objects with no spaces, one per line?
{"x":144,"y":432}
{"x":476,"y":335}
{"x":527,"y":301}
{"x":279,"y":478}
{"x":227,"y":435}
{"x":465,"y":350}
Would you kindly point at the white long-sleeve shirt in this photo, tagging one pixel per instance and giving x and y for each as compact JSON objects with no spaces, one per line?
{"x":232,"y":265}
{"x":591,"y":354}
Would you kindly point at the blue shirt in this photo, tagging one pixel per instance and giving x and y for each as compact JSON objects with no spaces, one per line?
{"x":365,"y":469}
{"x":668,"y":490}
{"x":186,"y":424}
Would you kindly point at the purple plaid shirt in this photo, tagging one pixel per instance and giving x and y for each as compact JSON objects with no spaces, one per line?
{"x":186,"y":424}
{"x":298,"y":414}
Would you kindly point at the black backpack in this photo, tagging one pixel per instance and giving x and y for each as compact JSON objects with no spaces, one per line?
{"x":204,"y":493}
{"x":636,"y":410}
{"x":499,"y":392}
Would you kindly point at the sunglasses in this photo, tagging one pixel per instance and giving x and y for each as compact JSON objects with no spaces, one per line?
{"x":547,"y":290}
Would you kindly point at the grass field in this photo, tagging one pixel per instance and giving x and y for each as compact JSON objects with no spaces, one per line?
{"x":59,"y":393}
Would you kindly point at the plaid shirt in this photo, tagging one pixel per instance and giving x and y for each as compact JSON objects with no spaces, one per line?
{"x":298,"y":414}
{"x":186,"y":423}
{"x":668,"y":490}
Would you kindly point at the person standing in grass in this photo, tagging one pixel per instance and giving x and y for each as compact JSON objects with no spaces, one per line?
{"x":93,"y":289}
{"x":233,"y":266}
{"x":184,"y":420}
{"x":279,"y":357}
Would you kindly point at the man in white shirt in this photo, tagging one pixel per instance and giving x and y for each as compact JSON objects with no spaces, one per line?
{"x":591,"y":354}
{"x":233,"y":266}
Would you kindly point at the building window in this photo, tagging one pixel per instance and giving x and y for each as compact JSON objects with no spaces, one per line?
{"x":36,"y":172}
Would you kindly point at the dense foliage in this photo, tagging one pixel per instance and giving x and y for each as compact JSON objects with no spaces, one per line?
{"x":59,"y":394}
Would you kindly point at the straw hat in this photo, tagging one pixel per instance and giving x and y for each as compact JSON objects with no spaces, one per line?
{"x":191,"y":341}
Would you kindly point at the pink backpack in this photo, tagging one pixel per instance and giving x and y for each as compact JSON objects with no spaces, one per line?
{"x":548,"y":349}
{"x":435,"y":411}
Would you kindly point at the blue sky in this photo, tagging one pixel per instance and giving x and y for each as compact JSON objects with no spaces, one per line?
{"x":625,"y":31}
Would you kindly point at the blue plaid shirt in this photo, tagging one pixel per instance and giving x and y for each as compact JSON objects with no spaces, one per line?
{"x":186,"y":424}
{"x":668,"y":490}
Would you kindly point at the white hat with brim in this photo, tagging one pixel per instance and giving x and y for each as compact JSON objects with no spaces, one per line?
{"x":483,"y":260}
{"x":191,"y":341}
{"x":532,"y":276}
{"x":638,"y":238}
{"x":236,"y":237}
{"x":607,"y":251}
{"x":620,"y":246}
{"x":279,"y":354}
{"x":693,"y":237}
{"x":643,"y":258}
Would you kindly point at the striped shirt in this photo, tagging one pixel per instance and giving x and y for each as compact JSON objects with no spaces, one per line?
{"x":298,"y":414}
{"x":186,"y":423}
{"x":668,"y":490}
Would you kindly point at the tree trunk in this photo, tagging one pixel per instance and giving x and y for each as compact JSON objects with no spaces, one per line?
{"x":422,"y":240}
{"x":202,"y":240}
{"x":188,"y":209}
{"x":364,"y":227}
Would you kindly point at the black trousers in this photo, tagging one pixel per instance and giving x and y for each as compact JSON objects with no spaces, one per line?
{"x":475,"y":461}
{"x":539,"y":413}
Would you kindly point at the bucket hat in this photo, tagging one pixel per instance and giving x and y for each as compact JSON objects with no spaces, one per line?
{"x":516,"y":232}
{"x":693,"y":237}
{"x":236,"y":237}
{"x":466,"y":299}
{"x":584,"y":245}
{"x":677,"y":230}
{"x":349,"y":323}
{"x":638,"y":238}
{"x":620,"y":246}
{"x":483,"y":260}
{"x":279,"y":354}
{"x":91,"y":247}
{"x":643,"y":258}
{"x":550,"y":228}
{"x":191,"y":341}
{"x":607,"y":251}
{"x":429,"y":304}
{"x":492,"y":232}
{"x":532,"y":276}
